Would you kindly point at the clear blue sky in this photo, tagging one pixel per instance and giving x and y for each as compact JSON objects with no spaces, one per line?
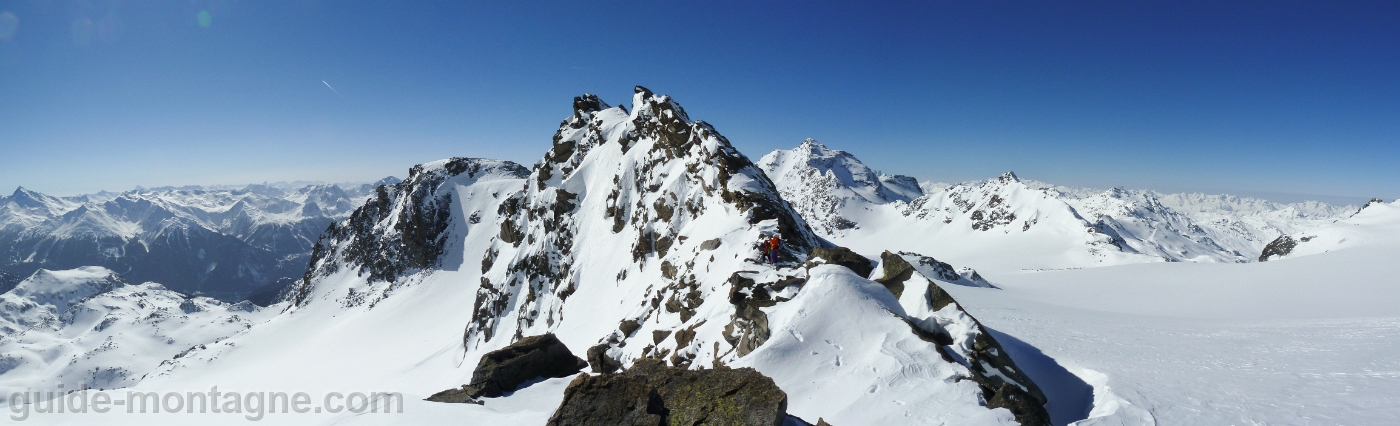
{"x":1244,"y":97}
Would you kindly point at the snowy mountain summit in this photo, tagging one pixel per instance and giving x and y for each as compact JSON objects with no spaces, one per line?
{"x":638,"y":236}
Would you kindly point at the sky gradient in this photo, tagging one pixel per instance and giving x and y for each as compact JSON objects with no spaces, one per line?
{"x":1284,"y":100}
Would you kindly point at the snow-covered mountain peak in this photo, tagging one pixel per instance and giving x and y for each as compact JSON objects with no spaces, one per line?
{"x":651,"y":183}
{"x":1008,"y":177}
{"x":62,"y":289}
{"x":820,"y":182}
{"x":38,"y":203}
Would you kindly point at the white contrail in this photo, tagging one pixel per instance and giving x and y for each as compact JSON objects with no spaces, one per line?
{"x":337,"y":92}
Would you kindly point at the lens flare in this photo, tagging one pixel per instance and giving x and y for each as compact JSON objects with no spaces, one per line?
{"x":204,"y":18}
{"x":9,"y":25}
{"x":83,"y":31}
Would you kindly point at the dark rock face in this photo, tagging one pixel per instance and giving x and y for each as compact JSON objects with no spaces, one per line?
{"x":748,"y":328}
{"x":1028,"y":410}
{"x":650,"y":393}
{"x":415,"y":216}
{"x":1281,"y":246}
{"x":610,"y":399}
{"x":844,"y":257}
{"x":506,"y":369}
{"x":600,"y":361}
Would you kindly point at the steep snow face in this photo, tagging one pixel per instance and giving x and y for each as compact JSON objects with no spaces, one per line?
{"x":86,"y":328}
{"x":1376,"y":226}
{"x":223,"y":242}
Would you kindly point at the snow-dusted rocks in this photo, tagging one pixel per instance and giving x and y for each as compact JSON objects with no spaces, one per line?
{"x":87,"y":328}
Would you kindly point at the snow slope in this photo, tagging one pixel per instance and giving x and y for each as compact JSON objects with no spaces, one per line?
{"x":87,"y":328}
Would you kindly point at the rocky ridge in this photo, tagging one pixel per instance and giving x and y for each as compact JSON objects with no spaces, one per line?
{"x":672,"y":217}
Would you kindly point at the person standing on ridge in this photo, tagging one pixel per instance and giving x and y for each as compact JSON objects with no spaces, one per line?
{"x":772,"y":246}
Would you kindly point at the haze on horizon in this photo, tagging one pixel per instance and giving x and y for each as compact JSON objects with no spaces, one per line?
{"x":1284,"y":100}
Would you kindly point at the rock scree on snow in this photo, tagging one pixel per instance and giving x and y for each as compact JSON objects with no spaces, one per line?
{"x":504,"y":370}
{"x":650,"y":393}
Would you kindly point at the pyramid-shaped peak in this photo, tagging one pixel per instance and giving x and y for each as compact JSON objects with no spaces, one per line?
{"x":1008,"y":177}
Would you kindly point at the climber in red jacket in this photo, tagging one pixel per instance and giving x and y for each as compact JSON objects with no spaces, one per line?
{"x":771,"y":246}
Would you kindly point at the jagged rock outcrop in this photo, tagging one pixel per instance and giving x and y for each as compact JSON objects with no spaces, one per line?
{"x":650,"y":393}
{"x":504,"y":370}
{"x":402,"y":228}
{"x":1281,"y":246}
{"x":911,"y":277}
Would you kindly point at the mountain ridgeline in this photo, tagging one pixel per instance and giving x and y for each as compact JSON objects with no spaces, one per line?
{"x":229,"y":244}
{"x":638,"y":236}
{"x":1007,"y":223}
{"x":638,"y":241}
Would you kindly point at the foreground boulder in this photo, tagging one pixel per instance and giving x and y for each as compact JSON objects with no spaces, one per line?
{"x":652,"y":394}
{"x":504,"y":370}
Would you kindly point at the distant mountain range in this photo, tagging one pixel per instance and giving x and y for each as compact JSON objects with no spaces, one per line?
{"x":1010,"y":223}
{"x":226,"y":243}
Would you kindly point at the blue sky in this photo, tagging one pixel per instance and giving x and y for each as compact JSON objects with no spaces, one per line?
{"x":1288,"y":100}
